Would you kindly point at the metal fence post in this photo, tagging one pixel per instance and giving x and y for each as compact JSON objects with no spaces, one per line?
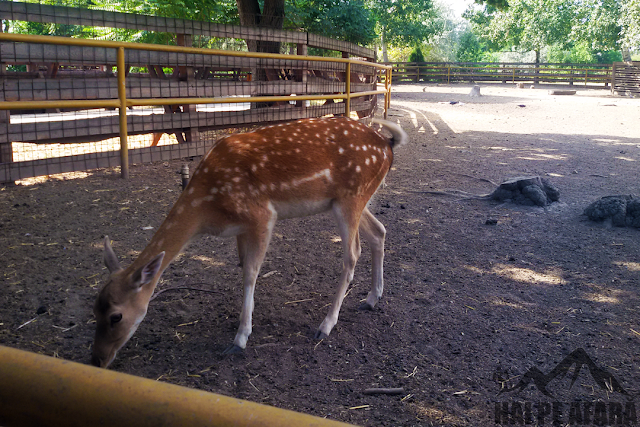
{"x":347,"y":100}
{"x":122,"y":96}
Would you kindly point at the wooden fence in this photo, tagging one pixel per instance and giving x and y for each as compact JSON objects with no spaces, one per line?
{"x":58,"y":73}
{"x":626,"y":78}
{"x":501,"y":72}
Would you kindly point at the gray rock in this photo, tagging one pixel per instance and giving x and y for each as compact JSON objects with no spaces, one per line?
{"x":614,"y":209}
{"x":527,"y":190}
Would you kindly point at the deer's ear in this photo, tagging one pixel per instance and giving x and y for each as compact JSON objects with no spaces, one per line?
{"x":145,"y":274}
{"x":110,"y":258}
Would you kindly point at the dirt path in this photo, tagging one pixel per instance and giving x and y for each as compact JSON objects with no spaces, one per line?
{"x":469,"y":308}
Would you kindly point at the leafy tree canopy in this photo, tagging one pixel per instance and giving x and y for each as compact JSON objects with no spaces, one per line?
{"x":348,"y":20}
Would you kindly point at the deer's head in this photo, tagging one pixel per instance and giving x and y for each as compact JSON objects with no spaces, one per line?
{"x":121,"y":304}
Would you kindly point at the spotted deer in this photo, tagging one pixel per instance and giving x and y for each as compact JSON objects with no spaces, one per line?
{"x":240,"y":188}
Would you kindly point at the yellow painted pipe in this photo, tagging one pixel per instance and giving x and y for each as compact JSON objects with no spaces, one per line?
{"x":42,"y":391}
{"x":347,"y":101}
{"x":84,"y":104}
{"x":122,"y":116}
{"x":115,"y":103}
{"x":31,"y":38}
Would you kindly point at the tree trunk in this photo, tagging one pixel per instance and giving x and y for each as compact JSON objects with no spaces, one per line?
{"x":272,"y":16}
{"x":385,"y":56}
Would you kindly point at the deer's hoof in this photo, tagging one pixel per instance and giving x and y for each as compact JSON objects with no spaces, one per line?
{"x":365,"y":306}
{"x":319,"y":335}
{"x":233,"y":349}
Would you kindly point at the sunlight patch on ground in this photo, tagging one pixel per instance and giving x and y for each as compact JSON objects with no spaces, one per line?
{"x":502,"y":303}
{"x":527,"y":275}
{"x":413,"y":221}
{"x":595,"y":297}
{"x":628,"y":159}
{"x":608,"y":141}
{"x":631,"y":266}
{"x":58,"y":177}
{"x":208,"y":260}
{"x":430,"y":414}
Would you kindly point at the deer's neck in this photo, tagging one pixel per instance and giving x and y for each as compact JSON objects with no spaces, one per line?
{"x":172,"y":236}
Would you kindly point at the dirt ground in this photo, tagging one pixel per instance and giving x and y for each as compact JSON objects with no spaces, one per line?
{"x":477,"y":293}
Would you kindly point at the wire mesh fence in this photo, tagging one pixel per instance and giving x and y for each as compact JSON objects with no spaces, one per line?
{"x":63,"y":93}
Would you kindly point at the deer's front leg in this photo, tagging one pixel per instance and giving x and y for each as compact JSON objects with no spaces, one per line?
{"x":347,"y":217}
{"x":253,"y":244}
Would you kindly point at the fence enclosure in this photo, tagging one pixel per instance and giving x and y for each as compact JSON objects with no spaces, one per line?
{"x":501,"y":72}
{"x":626,"y":78}
{"x":60,"y":92}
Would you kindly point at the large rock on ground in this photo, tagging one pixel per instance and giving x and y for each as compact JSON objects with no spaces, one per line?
{"x":527,"y":190}
{"x":621,"y":211}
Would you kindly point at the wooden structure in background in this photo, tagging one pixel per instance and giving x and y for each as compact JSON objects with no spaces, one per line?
{"x":411,"y":72}
{"x":61,"y":72}
{"x":625,"y":78}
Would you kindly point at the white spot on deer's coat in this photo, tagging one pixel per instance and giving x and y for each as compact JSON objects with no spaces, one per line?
{"x":209,"y":198}
{"x":346,"y":132}
{"x":196,"y":202}
{"x":340,"y":150}
{"x":358,"y":169}
{"x":366,"y":162}
{"x":191,"y":190}
{"x":236,"y":179}
{"x":254,"y":168}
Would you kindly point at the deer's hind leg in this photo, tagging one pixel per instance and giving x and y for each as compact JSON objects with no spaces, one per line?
{"x":373,"y":232}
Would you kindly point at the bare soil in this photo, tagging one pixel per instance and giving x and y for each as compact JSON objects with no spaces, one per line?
{"x":477,"y":292}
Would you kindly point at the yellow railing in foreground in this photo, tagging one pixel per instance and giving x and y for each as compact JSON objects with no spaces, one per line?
{"x":122,"y":102}
{"x":43,"y":391}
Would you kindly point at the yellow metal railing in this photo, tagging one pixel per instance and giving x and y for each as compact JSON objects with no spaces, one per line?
{"x":123,"y":102}
{"x":44,"y":391}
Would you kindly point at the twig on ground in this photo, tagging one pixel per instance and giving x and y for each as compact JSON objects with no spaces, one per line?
{"x":390,"y":391}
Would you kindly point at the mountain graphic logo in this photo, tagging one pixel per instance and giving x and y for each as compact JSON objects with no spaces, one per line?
{"x":580,"y":359}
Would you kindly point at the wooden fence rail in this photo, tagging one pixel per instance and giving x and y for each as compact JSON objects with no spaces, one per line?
{"x":502,"y":72}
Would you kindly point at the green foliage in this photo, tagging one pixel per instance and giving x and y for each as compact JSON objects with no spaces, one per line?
{"x":346,"y":20}
{"x":469,"y":48}
{"x":576,"y":54}
{"x":630,"y":23}
{"x":596,"y":23}
{"x":416,"y":55}
{"x":496,"y":4}
{"x":608,"y":57}
{"x":407,"y":22}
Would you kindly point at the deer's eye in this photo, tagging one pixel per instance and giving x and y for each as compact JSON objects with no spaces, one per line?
{"x":115,"y":318}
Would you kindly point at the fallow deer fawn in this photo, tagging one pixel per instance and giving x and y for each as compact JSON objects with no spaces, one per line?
{"x":240,"y":188}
